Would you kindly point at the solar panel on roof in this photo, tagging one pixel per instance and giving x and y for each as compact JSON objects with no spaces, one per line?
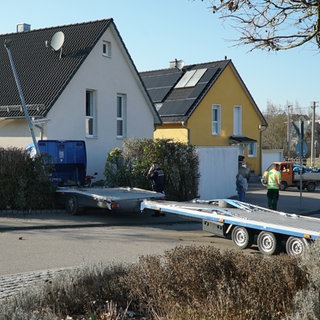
{"x":190,"y":78}
{"x":184,"y":80}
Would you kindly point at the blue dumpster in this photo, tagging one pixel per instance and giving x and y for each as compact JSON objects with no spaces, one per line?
{"x":68,"y":160}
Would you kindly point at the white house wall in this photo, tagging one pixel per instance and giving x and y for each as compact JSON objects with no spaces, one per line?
{"x":218,"y":168}
{"x":108,"y":77}
{"x":15,"y":133}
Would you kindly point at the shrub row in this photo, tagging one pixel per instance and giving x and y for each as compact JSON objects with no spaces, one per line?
{"x":182,"y":284}
{"x":24,"y":181}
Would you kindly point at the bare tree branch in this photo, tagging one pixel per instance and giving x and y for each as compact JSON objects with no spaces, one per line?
{"x":272,"y":24}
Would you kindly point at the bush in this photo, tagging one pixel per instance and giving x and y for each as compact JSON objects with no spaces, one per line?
{"x":205,"y":283}
{"x":85,"y":291}
{"x":129,"y":167}
{"x":307,"y":301}
{"x":183,"y":284}
{"x":24,"y":181}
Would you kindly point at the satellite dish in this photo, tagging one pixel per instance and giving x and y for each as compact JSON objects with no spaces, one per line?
{"x":57,"y":41}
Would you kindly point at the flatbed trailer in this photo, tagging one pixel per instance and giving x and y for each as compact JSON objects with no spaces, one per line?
{"x":76,"y":198}
{"x":246,"y":224}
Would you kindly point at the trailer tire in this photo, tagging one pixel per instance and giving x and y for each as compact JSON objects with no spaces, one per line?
{"x":242,"y":237}
{"x":268,"y":243}
{"x":72,"y":204}
{"x":297,"y":247}
{"x":311,"y":187}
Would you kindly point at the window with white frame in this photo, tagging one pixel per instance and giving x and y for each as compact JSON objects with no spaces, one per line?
{"x":252,"y":149}
{"x":121,"y":115}
{"x":216,"y":119}
{"x":237,"y":120}
{"x":106,"y":48}
{"x":90,"y":113}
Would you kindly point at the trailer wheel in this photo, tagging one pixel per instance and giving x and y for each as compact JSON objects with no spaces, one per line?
{"x":311,"y":187}
{"x":283,"y":185}
{"x":268,"y":243}
{"x":72,"y":204}
{"x":242,"y":237}
{"x":297,"y":247}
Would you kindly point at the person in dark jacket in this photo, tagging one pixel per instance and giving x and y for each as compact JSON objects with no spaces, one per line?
{"x":157,"y":177}
{"x":242,"y":186}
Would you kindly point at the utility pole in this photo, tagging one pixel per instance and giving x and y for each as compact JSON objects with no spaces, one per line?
{"x":312,"y":132}
{"x":288,"y":134}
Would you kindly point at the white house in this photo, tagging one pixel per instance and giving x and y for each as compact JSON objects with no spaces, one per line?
{"x":85,"y":86}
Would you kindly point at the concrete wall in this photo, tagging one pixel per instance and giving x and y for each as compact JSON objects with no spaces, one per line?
{"x":218,"y":170}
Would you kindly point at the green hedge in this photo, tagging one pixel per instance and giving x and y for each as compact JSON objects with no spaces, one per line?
{"x":129,"y":166}
{"x":24,"y":182}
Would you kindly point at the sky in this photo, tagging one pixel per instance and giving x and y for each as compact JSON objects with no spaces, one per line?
{"x":156,"y":32}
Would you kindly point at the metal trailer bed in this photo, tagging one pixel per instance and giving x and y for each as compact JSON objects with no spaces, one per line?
{"x":119,"y":199}
{"x":246,"y":223}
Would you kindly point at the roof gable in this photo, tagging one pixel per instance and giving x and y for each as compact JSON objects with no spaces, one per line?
{"x":43,"y":75}
{"x":178,"y":93}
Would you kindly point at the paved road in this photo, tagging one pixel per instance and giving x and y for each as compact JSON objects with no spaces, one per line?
{"x":30,"y":257}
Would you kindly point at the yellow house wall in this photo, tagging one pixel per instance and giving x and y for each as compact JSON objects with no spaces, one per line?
{"x":174,"y":132}
{"x":226,"y":92}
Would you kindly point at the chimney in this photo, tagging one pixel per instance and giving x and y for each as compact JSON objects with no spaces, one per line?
{"x":23,"y":27}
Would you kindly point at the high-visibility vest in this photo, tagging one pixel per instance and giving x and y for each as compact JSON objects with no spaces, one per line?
{"x":273,"y":176}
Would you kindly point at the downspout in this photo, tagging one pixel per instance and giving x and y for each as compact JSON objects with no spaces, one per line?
{"x":261,"y":128}
{"x":41,"y":130}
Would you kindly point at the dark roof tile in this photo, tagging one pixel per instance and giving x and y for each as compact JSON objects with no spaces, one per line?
{"x":43,"y":75}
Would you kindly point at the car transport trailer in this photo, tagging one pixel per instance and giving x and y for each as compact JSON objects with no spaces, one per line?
{"x":112,"y":199}
{"x":246,"y":224}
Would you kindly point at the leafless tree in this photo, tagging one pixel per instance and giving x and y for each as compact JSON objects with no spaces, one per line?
{"x":274,"y":137}
{"x":272,"y":24}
